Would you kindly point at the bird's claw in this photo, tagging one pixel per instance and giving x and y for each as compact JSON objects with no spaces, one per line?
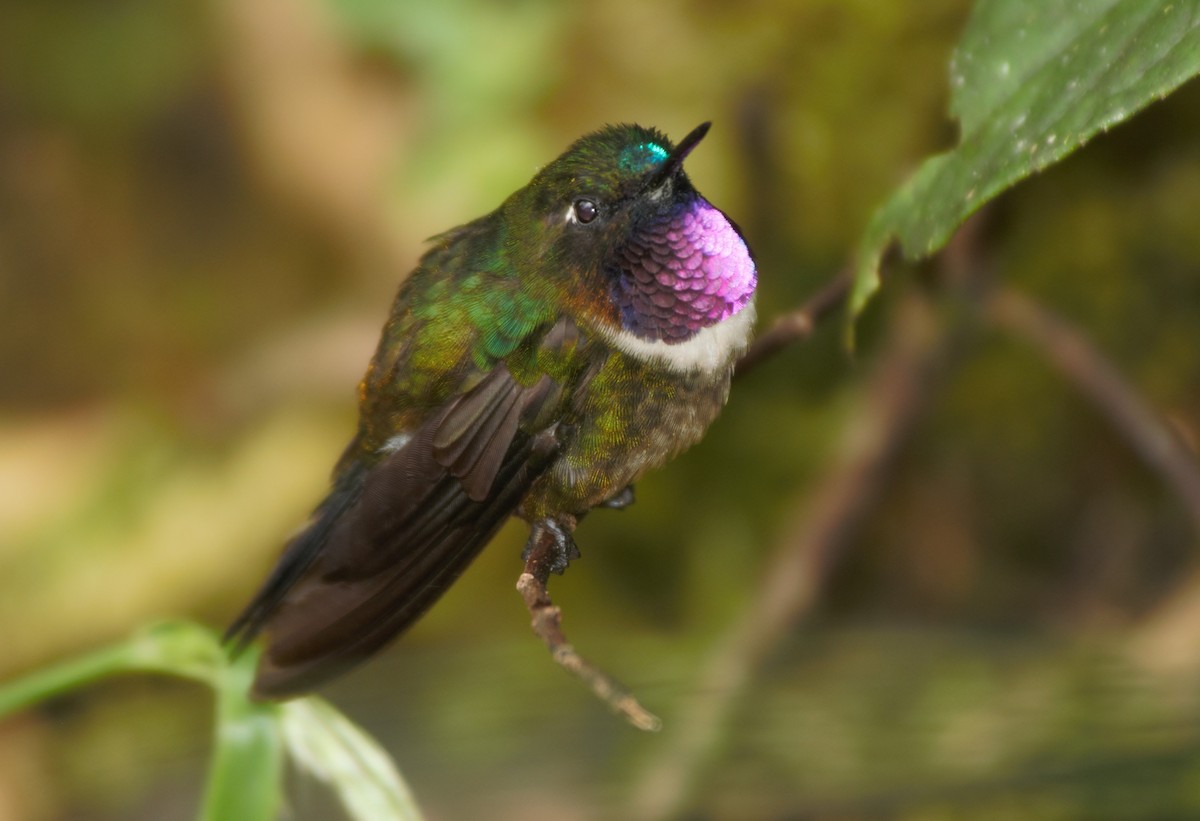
{"x":619,"y":500}
{"x":560,"y":549}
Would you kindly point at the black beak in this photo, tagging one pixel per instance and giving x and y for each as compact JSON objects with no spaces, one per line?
{"x":675,"y":161}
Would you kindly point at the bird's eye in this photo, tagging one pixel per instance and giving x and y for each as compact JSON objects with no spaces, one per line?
{"x":585,"y":211}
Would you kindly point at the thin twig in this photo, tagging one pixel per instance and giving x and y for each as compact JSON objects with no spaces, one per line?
{"x":799,"y":324}
{"x":547,"y":625}
{"x":1076,"y":359}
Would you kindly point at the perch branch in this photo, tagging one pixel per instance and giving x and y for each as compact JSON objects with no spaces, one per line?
{"x":799,"y":324}
{"x":547,"y":625}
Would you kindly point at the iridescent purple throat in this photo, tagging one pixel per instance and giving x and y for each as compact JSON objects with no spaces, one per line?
{"x":683,"y":272}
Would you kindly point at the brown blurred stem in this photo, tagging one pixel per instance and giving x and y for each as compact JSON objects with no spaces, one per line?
{"x":917,"y":353}
{"x":797,"y":325}
{"x":919,"y":348}
{"x":1095,"y":376}
{"x":547,"y":625}
{"x":804,"y":558}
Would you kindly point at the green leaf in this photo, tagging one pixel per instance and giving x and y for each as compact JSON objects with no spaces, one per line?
{"x":326,"y":744}
{"x":1031,"y":81}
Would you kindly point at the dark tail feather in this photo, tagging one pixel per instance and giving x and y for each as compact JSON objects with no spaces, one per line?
{"x":297,"y":557}
{"x":399,"y":545}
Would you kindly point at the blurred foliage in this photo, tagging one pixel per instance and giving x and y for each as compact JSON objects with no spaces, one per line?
{"x":246,"y":777}
{"x":205,"y":208}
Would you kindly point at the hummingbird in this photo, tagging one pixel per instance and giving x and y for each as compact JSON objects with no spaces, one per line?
{"x":536,"y":363}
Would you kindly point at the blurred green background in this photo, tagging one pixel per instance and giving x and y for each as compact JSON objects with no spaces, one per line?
{"x":205,"y":208}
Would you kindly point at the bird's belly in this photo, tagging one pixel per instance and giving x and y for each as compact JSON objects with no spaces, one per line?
{"x":629,"y":420}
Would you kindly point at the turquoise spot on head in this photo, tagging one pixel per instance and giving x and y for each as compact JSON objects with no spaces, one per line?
{"x":655,"y":150}
{"x":643,"y":156}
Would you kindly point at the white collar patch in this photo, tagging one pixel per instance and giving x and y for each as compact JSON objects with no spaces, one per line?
{"x":711,"y":348}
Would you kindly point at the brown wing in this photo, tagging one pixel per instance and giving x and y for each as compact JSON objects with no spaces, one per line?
{"x":390,"y":539}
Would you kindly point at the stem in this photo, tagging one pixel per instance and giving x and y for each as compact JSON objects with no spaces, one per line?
{"x":246,"y":775}
{"x":70,"y":675}
{"x":547,"y":625}
{"x":797,"y":325}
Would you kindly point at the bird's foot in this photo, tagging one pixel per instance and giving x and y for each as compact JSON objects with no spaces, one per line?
{"x":550,"y":549}
{"x":619,"y":500}
{"x":550,"y":546}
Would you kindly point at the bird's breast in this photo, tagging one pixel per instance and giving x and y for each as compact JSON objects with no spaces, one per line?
{"x":634,"y":415}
